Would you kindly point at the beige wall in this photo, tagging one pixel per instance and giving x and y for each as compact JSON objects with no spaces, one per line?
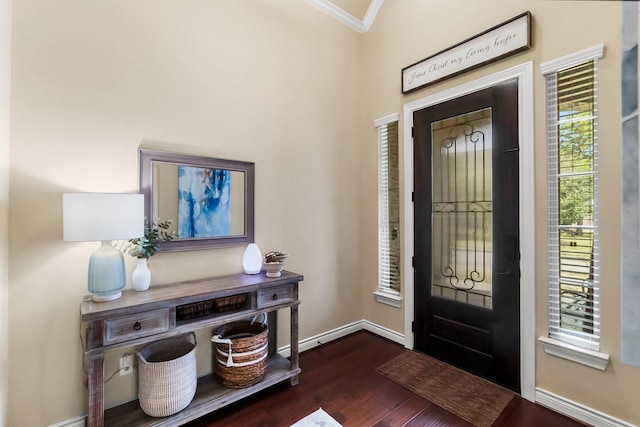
{"x":278,"y":83}
{"x":407,"y":31}
{"x":269,"y":81}
{"x":5,"y":80}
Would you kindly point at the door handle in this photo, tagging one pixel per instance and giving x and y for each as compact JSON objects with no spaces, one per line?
{"x":507,"y":273}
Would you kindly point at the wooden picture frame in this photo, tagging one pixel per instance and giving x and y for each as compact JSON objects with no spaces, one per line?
{"x":161,"y":176}
{"x":503,"y":40}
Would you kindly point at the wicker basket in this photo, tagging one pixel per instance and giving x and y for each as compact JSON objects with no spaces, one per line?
{"x":241,"y":354}
{"x":232,"y":302}
{"x":167,"y":375}
{"x":194,"y":310}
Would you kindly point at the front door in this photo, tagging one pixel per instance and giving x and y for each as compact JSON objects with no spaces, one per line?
{"x":467,"y":290}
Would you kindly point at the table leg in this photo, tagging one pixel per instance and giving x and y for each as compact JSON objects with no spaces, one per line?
{"x":295,"y":359}
{"x":95,"y":417}
{"x":272,"y":323}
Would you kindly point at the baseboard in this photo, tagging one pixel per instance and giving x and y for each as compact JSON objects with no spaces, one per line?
{"x":325,"y":337}
{"x":71,"y":422}
{"x":383,"y":332}
{"x":577,"y":410}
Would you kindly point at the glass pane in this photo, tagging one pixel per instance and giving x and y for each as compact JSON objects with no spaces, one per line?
{"x":462,"y":208}
{"x":389,"y":210}
{"x":576,"y":144}
{"x":576,"y":200}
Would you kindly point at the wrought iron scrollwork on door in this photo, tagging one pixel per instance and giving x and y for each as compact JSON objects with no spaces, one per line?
{"x":462,"y":205}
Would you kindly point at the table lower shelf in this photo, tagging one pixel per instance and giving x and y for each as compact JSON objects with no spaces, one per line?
{"x":210,"y":395}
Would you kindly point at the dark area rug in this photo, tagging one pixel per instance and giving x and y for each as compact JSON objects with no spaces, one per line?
{"x":473,"y":399}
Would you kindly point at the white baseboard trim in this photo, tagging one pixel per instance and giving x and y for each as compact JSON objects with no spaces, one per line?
{"x":383,"y":332}
{"x":71,"y":422}
{"x":577,"y":410}
{"x":342,"y":331}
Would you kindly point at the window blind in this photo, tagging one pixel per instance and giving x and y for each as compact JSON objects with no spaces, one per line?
{"x":388,"y":207}
{"x":574,"y":277}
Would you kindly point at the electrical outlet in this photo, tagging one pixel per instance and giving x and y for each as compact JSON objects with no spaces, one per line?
{"x":126,"y":364}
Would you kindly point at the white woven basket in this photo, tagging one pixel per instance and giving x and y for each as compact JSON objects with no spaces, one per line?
{"x":167,"y":375}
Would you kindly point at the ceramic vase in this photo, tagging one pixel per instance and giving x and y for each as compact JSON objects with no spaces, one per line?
{"x":252,"y":259}
{"x":141,"y":277}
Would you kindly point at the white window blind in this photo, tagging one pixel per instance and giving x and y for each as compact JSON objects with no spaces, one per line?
{"x":572,"y":149}
{"x":388,"y":206}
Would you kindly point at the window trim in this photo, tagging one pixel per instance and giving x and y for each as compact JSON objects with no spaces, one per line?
{"x":384,"y":295}
{"x":561,"y":345}
{"x":584,"y":356}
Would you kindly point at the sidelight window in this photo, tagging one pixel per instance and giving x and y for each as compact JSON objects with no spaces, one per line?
{"x":388,"y":212}
{"x":572,"y":149}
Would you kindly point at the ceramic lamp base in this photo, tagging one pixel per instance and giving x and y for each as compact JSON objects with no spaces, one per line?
{"x":103,"y":298}
{"x":106,"y":273}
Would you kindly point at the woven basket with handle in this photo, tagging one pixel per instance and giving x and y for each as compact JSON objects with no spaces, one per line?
{"x":240,"y":354}
{"x":167,"y":375}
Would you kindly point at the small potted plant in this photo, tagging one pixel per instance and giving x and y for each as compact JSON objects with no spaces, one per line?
{"x":274,"y":262}
{"x":145,"y":247}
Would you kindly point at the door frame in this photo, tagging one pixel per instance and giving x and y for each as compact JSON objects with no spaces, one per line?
{"x":524,"y":74}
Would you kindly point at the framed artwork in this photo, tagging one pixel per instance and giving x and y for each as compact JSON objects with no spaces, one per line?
{"x":210,"y":201}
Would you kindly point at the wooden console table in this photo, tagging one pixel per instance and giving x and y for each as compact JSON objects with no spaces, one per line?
{"x":140,"y":318}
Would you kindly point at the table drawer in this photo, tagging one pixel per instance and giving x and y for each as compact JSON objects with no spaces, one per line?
{"x":275,"y":296}
{"x":133,"y":326}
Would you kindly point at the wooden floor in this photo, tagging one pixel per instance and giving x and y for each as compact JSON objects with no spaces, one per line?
{"x":340,"y":378}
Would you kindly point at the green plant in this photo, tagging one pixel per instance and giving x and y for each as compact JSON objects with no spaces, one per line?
{"x":146,"y":246}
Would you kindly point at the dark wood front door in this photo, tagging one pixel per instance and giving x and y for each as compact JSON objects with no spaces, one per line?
{"x":467,"y":258}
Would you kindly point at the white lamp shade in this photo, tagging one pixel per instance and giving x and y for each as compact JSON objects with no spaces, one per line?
{"x":90,"y":217}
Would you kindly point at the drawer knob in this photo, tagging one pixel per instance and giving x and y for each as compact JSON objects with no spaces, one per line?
{"x":274,"y":297}
{"x":137,"y":326}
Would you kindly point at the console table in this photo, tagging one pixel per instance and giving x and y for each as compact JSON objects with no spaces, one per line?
{"x":139,"y":318}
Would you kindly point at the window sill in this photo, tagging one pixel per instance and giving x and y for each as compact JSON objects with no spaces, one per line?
{"x":593,"y":359}
{"x":393,"y":299}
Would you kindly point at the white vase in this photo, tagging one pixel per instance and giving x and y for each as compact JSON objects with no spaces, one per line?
{"x":252,"y":259}
{"x":141,"y":277}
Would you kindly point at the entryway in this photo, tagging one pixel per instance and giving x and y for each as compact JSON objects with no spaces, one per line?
{"x":466,"y":233}
{"x":504,"y":244}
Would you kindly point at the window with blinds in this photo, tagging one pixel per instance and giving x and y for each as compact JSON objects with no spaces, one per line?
{"x":388,"y":206}
{"x":574,"y":279}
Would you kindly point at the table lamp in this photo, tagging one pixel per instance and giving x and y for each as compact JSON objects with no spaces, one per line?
{"x":104,"y":217}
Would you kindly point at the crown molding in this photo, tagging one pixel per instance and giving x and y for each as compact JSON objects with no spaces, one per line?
{"x":361,"y":26}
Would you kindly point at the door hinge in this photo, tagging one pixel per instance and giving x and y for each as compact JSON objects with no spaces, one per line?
{"x":411,"y":131}
{"x":413,"y":326}
{"x":413,"y":196}
{"x":413,"y":261}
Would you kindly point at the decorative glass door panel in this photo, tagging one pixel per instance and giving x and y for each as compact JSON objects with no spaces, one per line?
{"x":462,"y":209}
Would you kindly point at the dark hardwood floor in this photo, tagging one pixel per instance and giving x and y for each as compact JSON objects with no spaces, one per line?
{"x":340,"y":378}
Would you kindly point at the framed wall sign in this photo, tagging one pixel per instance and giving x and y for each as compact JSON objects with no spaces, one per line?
{"x":491,"y":45}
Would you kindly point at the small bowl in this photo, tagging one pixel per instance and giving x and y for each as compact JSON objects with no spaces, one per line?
{"x":273,"y":269}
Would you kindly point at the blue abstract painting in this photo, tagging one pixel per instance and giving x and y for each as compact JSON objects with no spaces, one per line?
{"x":203,"y":202}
